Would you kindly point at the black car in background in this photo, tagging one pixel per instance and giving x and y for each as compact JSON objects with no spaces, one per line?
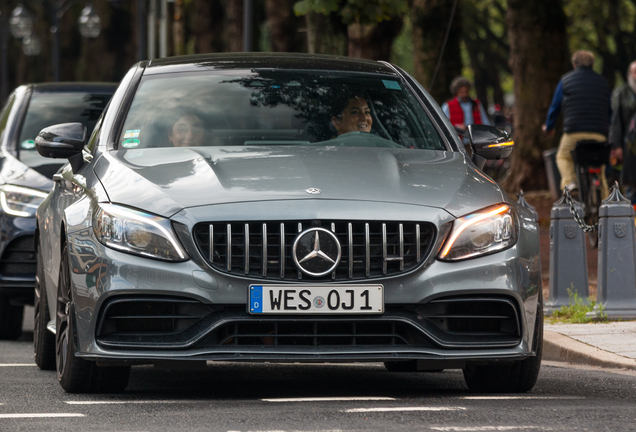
{"x":26,"y":179}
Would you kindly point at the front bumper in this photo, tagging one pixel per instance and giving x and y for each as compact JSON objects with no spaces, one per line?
{"x":102,"y":276}
{"x":17,"y":257}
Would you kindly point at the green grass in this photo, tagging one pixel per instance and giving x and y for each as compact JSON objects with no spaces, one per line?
{"x":575,"y":312}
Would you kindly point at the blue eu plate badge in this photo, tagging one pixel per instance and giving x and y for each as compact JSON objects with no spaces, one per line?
{"x":256,"y":299}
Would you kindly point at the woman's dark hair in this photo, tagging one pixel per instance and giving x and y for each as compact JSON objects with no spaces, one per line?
{"x":342,"y":99}
{"x":172,"y":117}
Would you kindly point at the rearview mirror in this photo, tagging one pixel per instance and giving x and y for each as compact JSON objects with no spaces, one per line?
{"x":490,"y":142}
{"x":61,"y":140}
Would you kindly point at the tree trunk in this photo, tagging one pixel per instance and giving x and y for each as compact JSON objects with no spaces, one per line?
{"x":233,"y":24}
{"x":326,"y":34}
{"x":538,"y":58}
{"x":430,"y":21}
{"x":208,"y":26}
{"x":373,"y":42}
{"x":283,"y":26}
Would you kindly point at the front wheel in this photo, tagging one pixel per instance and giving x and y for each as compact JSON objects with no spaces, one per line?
{"x":515,"y":377}
{"x":75,"y":374}
{"x":43,"y":339}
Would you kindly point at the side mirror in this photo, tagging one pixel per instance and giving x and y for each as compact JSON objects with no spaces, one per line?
{"x":490,"y":142}
{"x":61,"y":141}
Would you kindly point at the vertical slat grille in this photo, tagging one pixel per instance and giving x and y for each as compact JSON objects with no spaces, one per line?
{"x":263,"y":250}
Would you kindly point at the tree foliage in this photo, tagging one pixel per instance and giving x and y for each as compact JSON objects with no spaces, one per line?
{"x":355,"y":11}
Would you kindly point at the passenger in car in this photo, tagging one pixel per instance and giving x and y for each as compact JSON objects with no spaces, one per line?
{"x":187,"y":131}
{"x":352,"y":113}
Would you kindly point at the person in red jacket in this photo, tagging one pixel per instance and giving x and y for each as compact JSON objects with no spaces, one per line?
{"x":462,"y":110}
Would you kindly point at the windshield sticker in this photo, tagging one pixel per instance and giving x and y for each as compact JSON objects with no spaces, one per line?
{"x":130,"y":143}
{"x":134,"y":133}
{"x":27,"y":145}
{"x":392,"y":85}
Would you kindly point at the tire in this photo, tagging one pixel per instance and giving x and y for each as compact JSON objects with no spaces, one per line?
{"x":43,"y":339}
{"x":516,"y":377}
{"x":75,"y":374}
{"x":10,"y":319}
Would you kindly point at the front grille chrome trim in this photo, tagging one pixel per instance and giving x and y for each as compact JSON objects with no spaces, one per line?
{"x":247,"y":249}
{"x":229,"y":247}
{"x":282,"y":251}
{"x":367,"y":243}
{"x":264,"y":251}
{"x":350,"y":242}
{"x":384,"y":256}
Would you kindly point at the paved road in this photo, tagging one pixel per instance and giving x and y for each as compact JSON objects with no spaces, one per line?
{"x":273,"y":397}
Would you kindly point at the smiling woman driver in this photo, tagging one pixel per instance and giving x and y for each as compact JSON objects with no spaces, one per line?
{"x":352,"y":114}
{"x":187,"y":131}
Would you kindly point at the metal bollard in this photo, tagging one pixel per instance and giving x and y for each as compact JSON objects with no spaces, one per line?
{"x":523,"y":203}
{"x":616,"y":291}
{"x":568,"y":257}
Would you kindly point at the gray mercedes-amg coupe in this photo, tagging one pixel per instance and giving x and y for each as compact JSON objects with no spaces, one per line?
{"x":282,"y":208}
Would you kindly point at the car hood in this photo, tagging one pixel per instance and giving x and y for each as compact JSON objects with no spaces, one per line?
{"x":165,"y":180}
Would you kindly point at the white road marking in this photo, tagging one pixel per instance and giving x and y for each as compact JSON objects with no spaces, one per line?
{"x":41,"y":415}
{"x":356,"y":410}
{"x":113,"y":402}
{"x":16,"y":364}
{"x":329,"y":399}
{"x":486,"y":428}
{"x":520,"y":397}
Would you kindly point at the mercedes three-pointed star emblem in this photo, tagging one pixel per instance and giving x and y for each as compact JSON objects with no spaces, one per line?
{"x":316,"y":252}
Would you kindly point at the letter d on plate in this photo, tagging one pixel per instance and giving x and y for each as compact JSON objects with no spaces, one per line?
{"x":256,"y":299}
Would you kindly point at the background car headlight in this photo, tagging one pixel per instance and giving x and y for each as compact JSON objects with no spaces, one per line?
{"x":137,"y":233}
{"x":20,"y":201}
{"x":489,"y":230}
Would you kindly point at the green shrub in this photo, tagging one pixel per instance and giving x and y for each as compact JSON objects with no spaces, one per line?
{"x":575,"y":312}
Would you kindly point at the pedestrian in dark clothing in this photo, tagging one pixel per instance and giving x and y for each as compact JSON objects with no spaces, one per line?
{"x":623,"y":131}
{"x":584,"y":97}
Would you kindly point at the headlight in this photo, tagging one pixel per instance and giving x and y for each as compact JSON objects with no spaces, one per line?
{"x":20,"y":201}
{"x":489,"y":230}
{"x":137,"y":233}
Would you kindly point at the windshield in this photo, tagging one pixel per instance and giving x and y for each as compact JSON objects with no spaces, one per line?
{"x":47,"y":109}
{"x":277,"y":108}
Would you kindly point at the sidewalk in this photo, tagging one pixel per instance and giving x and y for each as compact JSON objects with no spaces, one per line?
{"x":611,"y":345}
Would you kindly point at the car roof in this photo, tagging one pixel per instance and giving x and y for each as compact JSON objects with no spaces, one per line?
{"x":294,"y":61}
{"x":72,"y":87}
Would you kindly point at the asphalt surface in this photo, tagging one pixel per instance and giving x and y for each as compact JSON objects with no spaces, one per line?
{"x":294,"y":397}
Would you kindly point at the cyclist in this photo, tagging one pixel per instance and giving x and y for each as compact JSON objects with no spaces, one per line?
{"x":584,"y":97}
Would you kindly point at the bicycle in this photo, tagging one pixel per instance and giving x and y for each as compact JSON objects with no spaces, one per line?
{"x":589,"y":157}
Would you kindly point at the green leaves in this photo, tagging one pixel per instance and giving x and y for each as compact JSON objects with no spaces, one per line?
{"x":355,"y":11}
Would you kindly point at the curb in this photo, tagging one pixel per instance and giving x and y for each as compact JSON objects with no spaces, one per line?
{"x":561,"y":348}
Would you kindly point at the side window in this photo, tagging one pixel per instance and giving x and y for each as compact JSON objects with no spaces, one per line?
{"x":4,"y":115}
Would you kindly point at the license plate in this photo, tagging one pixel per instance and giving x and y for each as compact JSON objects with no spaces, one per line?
{"x":316,"y":299}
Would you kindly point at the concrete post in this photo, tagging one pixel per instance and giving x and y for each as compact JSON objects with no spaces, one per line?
{"x":616,"y":258}
{"x":523,"y":203}
{"x":568,"y":257}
